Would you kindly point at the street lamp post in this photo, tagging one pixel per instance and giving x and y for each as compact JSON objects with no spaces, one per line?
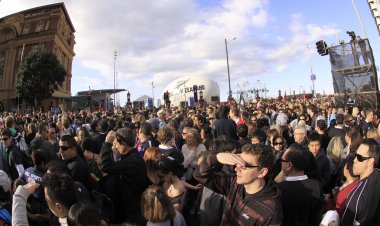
{"x":114,"y":75}
{"x":228,"y":71}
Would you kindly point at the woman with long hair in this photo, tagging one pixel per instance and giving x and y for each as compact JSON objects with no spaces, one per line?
{"x":353,"y":139}
{"x":151,"y":157}
{"x":157,"y":209}
{"x":191,"y":150}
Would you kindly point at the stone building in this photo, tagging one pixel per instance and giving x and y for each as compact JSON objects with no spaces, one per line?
{"x":48,"y":26}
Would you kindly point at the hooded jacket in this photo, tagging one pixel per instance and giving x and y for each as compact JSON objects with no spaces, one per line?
{"x":241,"y":208}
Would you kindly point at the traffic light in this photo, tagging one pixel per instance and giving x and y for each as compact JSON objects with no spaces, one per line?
{"x":322,"y":48}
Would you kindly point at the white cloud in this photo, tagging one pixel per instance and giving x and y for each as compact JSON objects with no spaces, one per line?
{"x":162,"y":40}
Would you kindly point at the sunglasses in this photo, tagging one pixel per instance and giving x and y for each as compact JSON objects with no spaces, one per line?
{"x":283,"y":160}
{"x":361,"y":158}
{"x":4,"y":138}
{"x":64,"y":148}
{"x":248,"y":166}
{"x":278,"y":143}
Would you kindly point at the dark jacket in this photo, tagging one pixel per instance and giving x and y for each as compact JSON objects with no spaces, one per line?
{"x":226,"y":127}
{"x":241,"y":208}
{"x":363,"y":202}
{"x":302,"y":202}
{"x":14,"y":158}
{"x":79,"y":171}
{"x":323,"y":164}
{"x":338,"y":132}
{"x":124,"y":184}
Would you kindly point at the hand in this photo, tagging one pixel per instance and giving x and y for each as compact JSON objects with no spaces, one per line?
{"x":198,"y":186}
{"x":31,"y":187}
{"x":110,"y":137}
{"x":88,"y":154}
{"x":230,"y":159}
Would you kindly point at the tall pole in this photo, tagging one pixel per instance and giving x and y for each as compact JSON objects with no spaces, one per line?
{"x":114,"y":77}
{"x":153,"y":93}
{"x":360,"y":18}
{"x":228,"y":71}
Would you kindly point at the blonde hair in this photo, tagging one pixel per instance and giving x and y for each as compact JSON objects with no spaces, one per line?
{"x":335,"y":149}
{"x":156,"y":206}
{"x":373,"y":133}
{"x":196,"y":135}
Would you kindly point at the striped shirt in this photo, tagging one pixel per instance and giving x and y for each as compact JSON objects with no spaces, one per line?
{"x":241,"y":208}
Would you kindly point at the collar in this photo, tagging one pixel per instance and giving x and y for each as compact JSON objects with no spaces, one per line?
{"x":339,"y":127}
{"x":296,"y":178}
{"x":63,"y":221}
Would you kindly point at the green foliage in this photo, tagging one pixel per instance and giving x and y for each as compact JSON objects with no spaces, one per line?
{"x":39,"y":76}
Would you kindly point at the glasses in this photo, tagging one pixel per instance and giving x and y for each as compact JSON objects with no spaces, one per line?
{"x":64,"y":148}
{"x":4,"y":139}
{"x":184,"y":133}
{"x":283,"y":160}
{"x":361,"y":158}
{"x":248,"y":166}
{"x":278,"y":143}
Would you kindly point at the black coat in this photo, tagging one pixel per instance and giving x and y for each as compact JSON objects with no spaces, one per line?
{"x":226,"y":127}
{"x":125,"y":182}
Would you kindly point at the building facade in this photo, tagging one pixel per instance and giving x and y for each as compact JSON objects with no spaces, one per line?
{"x":48,"y":26}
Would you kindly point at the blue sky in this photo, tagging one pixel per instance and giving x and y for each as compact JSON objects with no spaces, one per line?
{"x":163,"y":40}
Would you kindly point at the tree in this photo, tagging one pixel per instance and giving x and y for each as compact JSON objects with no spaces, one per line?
{"x":39,"y":76}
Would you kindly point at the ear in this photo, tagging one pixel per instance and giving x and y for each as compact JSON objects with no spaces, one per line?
{"x":263,"y":172}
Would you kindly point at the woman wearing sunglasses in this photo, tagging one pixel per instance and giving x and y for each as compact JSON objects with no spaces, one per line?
{"x":278,"y":146}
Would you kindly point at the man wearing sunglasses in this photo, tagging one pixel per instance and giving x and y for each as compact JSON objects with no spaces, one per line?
{"x":251,"y":198}
{"x":79,"y":170}
{"x":298,"y":191}
{"x":363,"y":202}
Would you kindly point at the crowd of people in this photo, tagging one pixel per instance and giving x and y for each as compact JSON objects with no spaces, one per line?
{"x":288,"y":162}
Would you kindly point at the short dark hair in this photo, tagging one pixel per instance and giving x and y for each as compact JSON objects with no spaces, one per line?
{"x":315,"y":137}
{"x":60,"y":189}
{"x":6,"y":132}
{"x":146,"y":128}
{"x":38,"y":157}
{"x":126,"y":136}
{"x":373,"y":148}
{"x":297,"y":155}
{"x":57,"y":166}
{"x":84,"y":213}
{"x":264,"y":153}
{"x":242,"y":130}
{"x":69,"y":139}
{"x":260,"y":135}
{"x":223,"y":111}
{"x":339,"y":119}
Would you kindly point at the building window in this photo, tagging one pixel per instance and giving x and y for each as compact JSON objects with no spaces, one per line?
{"x":25,"y":29}
{"x":40,"y":26}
